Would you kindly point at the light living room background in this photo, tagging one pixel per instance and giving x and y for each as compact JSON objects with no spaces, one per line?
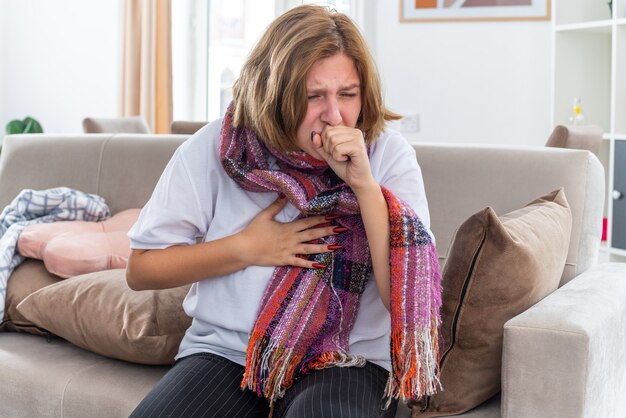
{"x":467,"y":82}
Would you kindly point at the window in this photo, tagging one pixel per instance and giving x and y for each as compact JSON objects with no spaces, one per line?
{"x":210,"y":42}
{"x":234,"y":28}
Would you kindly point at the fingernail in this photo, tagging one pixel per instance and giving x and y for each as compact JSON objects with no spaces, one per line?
{"x":334,"y":247}
{"x":331,"y":217}
{"x":322,"y":225}
{"x":340,"y":229}
{"x":312,"y":135}
{"x":281,"y":196}
{"x":318,"y":266}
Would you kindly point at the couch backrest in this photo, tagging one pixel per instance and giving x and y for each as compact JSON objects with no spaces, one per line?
{"x":461,"y":180}
{"x":122,"y":168}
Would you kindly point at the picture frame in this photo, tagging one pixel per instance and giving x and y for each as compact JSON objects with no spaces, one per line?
{"x":473,"y":10}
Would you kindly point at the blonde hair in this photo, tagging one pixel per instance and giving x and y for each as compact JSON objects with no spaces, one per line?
{"x":270,"y":95}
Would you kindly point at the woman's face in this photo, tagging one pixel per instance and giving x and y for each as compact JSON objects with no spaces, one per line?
{"x":334,"y":98}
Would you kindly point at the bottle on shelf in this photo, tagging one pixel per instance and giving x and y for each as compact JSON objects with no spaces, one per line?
{"x":576,"y":117}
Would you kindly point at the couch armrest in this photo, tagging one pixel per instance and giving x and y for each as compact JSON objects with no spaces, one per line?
{"x":566,"y":356}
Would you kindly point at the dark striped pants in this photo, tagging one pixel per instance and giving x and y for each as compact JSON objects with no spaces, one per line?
{"x":206,"y":385}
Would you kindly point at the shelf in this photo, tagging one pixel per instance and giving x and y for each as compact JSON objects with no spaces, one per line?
{"x":608,"y":254}
{"x":583,"y":69}
{"x":581,"y":11}
{"x":620,"y":80}
{"x":618,"y":252}
{"x":589,"y":56}
{"x":599,"y":26}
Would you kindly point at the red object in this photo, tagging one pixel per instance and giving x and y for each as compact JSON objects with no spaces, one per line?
{"x":605,"y":227}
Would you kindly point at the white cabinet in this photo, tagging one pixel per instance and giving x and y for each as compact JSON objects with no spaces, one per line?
{"x":589,"y":53}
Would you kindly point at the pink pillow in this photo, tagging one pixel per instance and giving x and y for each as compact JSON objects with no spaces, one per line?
{"x":70,"y":248}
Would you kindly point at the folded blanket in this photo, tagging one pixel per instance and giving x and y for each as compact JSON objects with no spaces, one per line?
{"x":32,"y":207}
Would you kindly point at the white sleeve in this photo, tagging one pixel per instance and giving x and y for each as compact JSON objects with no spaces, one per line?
{"x":174,"y":214}
{"x":395,"y":166}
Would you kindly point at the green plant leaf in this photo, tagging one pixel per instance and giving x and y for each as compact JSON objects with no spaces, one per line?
{"x":31,"y":126}
{"x":15,"y":127}
{"x":27,"y":126}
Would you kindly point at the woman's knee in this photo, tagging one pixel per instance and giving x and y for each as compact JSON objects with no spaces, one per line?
{"x":337,"y":393}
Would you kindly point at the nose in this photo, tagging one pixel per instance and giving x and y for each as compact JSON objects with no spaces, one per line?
{"x":332,"y":113}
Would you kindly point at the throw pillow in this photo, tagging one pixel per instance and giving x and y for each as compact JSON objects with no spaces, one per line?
{"x":27,"y":278}
{"x":100,"y":313}
{"x":70,"y":248}
{"x":496,"y":269}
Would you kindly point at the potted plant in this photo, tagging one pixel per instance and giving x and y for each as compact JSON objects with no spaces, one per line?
{"x":26,"y":126}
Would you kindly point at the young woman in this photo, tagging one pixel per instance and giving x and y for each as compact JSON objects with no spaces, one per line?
{"x":303,"y":225}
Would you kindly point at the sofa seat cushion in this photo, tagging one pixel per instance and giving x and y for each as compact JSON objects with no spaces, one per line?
{"x":100,"y":313}
{"x":57,"y":379}
{"x":71,"y":248}
{"x":497,"y":268}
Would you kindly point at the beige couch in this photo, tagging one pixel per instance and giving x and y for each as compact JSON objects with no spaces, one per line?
{"x":564,"y":357}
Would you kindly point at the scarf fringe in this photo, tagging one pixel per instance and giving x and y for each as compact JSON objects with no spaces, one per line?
{"x":270,"y":369}
{"x":277,"y":366}
{"x":415,"y":359}
{"x":338,"y":359}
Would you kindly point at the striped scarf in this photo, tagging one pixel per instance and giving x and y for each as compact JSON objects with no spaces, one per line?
{"x":306,"y":315}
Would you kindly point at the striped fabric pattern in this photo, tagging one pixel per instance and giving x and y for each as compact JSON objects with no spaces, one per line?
{"x":306,"y":315}
{"x":41,"y":206}
{"x":207,"y":385}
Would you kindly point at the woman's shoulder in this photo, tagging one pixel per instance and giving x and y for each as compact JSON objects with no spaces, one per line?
{"x":391,"y":141}
{"x":204,"y":144}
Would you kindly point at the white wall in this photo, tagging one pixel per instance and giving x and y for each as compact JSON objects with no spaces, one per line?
{"x":59,"y":61}
{"x":484,"y":82}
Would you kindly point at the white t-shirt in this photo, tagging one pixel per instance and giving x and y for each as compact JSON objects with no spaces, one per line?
{"x":196,"y":199}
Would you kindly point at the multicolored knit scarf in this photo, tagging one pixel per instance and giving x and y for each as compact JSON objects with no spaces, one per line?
{"x":306,"y":315}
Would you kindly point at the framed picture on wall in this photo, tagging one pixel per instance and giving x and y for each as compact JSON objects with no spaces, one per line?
{"x":468,"y":10}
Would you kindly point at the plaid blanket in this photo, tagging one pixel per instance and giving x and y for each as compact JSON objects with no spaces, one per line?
{"x":41,"y":206}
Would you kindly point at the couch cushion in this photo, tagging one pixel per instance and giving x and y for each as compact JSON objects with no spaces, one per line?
{"x":506,"y":178}
{"x":27,"y":278}
{"x":122,"y":168}
{"x":497,"y":268}
{"x":587,"y":137}
{"x":129,"y":125}
{"x":100,"y":313}
{"x":72,"y":248}
{"x":55,"y":378}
